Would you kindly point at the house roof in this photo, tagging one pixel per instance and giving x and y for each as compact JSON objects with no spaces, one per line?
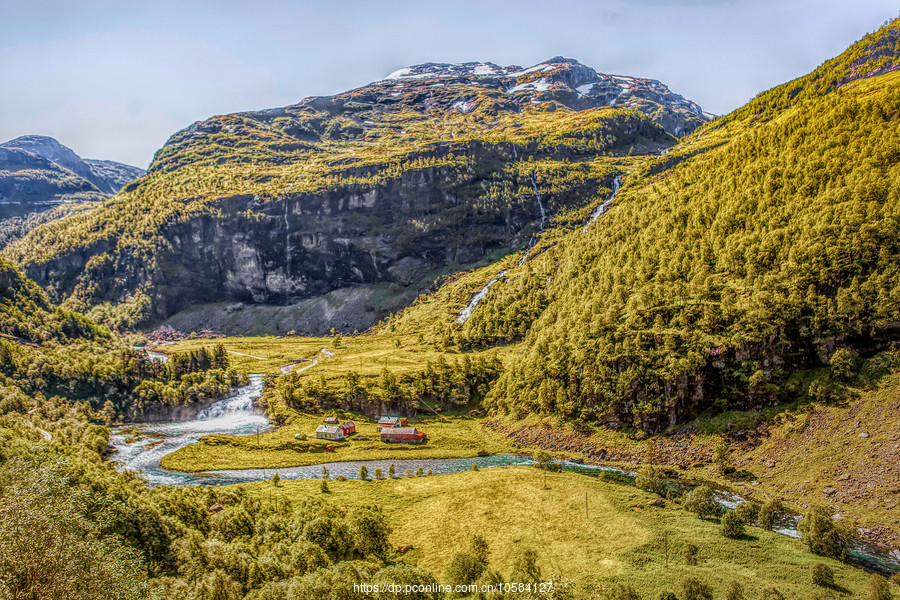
{"x":400,"y":431}
{"x":348,"y":424}
{"x":331,"y":419}
{"x":388,"y":419}
{"x":327,"y":429}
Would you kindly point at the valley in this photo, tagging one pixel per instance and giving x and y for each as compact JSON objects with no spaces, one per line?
{"x":466,"y":325}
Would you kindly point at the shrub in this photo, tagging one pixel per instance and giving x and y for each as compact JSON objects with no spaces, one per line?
{"x":480,"y":550}
{"x":821,"y":534}
{"x":844,"y":364}
{"x":771,"y":513}
{"x":734,"y":591}
{"x":690,"y":554}
{"x":879,"y":588}
{"x":370,"y":531}
{"x":821,"y":575}
{"x":700,"y":501}
{"x":276,"y":479}
{"x":748,"y":511}
{"x":363,"y":472}
{"x":732,"y":525}
{"x":463,"y":569}
{"x":722,"y":455}
{"x":667,"y":595}
{"x":526,"y":566}
{"x":649,"y":478}
{"x":694,"y":588}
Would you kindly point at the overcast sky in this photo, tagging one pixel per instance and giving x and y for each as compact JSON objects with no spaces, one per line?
{"x":114,"y":81}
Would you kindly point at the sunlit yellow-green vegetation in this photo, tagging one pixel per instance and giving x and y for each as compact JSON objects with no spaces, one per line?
{"x":620,"y":538}
{"x":262,"y":354}
{"x":448,"y":437}
{"x":719,"y":278}
{"x":46,"y":351}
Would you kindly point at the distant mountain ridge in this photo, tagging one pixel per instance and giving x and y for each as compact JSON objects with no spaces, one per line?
{"x":560,"y":79}
{"x":37,"y":172}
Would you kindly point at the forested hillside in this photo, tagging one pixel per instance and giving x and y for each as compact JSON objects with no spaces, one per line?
{"x":51,"y":354}
{"x":721,"y":274}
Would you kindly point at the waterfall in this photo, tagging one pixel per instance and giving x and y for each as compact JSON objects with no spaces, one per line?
{"x":540,"y":203}
{"x":605,"y":206}
{"x":467,"y":311}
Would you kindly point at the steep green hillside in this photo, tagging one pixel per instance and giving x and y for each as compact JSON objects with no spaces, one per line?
{"x":47,"y":351}
{"x":752,"y":251}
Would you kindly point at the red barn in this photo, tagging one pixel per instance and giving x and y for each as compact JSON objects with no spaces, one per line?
{"x":348,"y":427}
{"x":403,"y":435}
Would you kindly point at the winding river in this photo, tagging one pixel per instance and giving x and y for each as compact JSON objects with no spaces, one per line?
{"x":140,"y":447}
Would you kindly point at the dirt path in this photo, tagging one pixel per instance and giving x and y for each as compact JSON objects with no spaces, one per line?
{"x":290,"y":368}
{"x":247,"y":355}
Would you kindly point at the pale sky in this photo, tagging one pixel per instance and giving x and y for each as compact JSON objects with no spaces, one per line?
{"x":114,"y":79}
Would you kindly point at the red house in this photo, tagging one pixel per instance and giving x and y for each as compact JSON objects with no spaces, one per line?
{"x":403,"y":435}
{"x":348,"y":427}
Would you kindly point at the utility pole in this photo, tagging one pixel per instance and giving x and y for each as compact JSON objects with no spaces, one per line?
{"x":257,"y":437}
{"x":666,"y":543}
{"x":585,"y":506}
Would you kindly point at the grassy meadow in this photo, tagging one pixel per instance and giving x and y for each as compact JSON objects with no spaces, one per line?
{"x":617,"y":535}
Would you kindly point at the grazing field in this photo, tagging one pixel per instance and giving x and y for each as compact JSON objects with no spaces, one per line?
{"x":617,"y":534}
{"x":365,"y":354}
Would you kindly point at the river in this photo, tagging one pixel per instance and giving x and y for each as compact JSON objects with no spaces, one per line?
{"x":140,"y":447}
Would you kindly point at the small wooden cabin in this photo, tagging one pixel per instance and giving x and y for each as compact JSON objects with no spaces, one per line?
{"x":390,"y":421}
{"x":348,"y":427}
{"x":331,"y":420}
{"x":329,"y":432}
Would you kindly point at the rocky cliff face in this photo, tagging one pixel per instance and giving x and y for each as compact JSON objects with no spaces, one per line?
{"x":37,"y":172}
{"x":298,"y":246}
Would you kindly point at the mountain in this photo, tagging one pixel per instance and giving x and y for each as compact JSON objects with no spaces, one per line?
{"x":37,"y":172}
{"x":360,"y":199}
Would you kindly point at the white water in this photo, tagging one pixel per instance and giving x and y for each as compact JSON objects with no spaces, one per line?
{"x":543,"y":224}
{"x":467,"y":311}
{"x":233,"y":415}
{"x":540,"y":203}
{"x":605,"y":206}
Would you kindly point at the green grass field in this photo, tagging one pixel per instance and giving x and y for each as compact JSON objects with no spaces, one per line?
{"x":366,"y":354}
{"x":617,"y":534}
